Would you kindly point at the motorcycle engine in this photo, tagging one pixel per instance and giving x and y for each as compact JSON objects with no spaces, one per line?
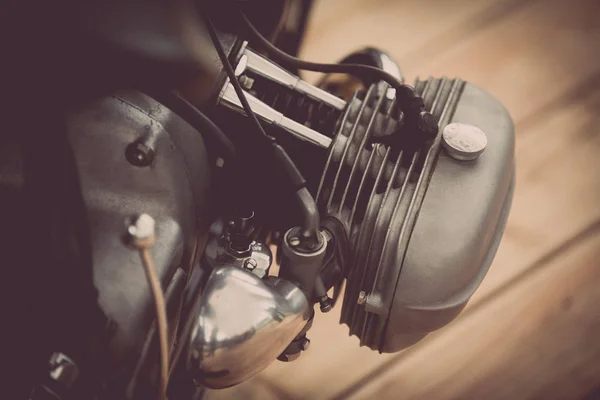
{"x":176,"y":183}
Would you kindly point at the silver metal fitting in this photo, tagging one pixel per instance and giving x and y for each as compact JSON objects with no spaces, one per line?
{"x":63,"y":370}
{"x":463,"y":141}
{"x":250,"y":264}
{"x":362,"y":298}
{"x":229,"y":98}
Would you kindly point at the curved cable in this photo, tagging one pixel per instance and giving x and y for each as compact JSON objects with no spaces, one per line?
{"x":406,"y":96}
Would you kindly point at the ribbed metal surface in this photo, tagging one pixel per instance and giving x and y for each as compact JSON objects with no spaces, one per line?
{"x":376,"y":192}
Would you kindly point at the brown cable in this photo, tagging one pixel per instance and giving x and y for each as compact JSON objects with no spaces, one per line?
{"x":161,"y":318}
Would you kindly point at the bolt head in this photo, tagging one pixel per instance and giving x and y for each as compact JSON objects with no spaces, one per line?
{"x":250,"y":264}
{"x":139,"y":154}
{"x":362,"y":298}
{"x":294,"y":241}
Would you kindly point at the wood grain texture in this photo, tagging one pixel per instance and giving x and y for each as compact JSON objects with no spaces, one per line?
{"x":541,"y":58}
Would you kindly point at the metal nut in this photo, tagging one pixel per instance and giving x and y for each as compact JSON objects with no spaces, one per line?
{"x":246,"y":82}
{"x":139,"y":154}
{"x":362,"y":298}
{"x":250,"y":264}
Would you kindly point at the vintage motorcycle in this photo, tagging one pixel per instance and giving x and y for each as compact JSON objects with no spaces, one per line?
{"x":176,"y":200}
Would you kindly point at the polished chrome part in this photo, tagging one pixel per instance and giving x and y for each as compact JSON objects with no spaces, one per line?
{"x":229,"y":98}
{"x":241,"y":325}
{"x":246,"y":82}
{"x":257,"y":259}
{"x":463,"y":141}
{"x":273,"y":72}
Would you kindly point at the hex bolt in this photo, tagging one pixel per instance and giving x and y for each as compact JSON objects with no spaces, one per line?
{"x":362,"y":298}
{"x":463,"y":142}
{"x":246,"y":82}
{"x":142,"y":151}
{"x":250,"y":264}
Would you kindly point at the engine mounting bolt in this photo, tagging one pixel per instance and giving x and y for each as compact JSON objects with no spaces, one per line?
{"x":362,"y":298}
{"x":246,"y":82}
{"x":250,"y":264}
{"x":139,"y":154}
{"x":463,"y":142}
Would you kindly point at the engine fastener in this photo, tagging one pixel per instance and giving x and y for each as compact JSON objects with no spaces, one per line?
{"x":362,"y":298}
{"x":250,"y":264}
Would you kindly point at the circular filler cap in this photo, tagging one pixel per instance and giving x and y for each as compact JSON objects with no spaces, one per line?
{"x":463,"y":141}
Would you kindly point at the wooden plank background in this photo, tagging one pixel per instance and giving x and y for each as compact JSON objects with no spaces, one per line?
{"x":532,"y":330}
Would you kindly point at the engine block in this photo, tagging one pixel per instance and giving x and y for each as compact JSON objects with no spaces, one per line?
{"x":423,"y":225}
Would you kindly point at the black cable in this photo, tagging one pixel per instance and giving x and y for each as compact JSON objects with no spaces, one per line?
{"x":232,"y":78}
{"x":307,"y":203}
{"x":408,"y":99}
{"x":198,"y":120}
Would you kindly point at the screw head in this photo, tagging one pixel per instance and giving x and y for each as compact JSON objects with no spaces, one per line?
{"x":139,"y":154}
{"x":250,"y":264}
{"x":294,"y":241}
{"x":362,"y":298}
{"x":463,"y":141}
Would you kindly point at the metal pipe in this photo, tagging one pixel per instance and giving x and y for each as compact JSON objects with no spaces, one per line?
{"x":229,"y":99}
{"x":273,"y":72}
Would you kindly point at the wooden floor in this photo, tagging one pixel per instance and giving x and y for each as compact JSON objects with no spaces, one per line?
{"x":532,"y":330}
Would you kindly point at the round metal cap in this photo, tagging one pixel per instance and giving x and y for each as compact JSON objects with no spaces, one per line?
{"x":463,"y":141}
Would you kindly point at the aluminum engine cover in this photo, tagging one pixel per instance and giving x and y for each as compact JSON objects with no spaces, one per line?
{"x":423,"y":227}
